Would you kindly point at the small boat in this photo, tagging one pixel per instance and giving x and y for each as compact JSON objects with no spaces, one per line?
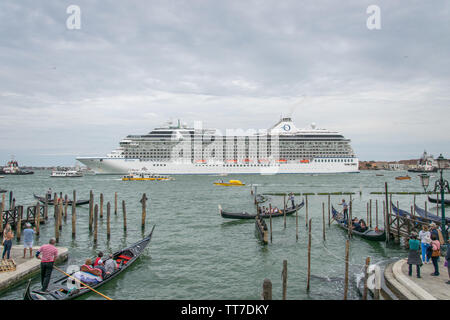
{"x":403,"y":178}
{"x":12,"y":168}
{"x":144,"y":175}
{"x":66,"y":174}
{"x":246,"y":215}
{"x":59,"y":289}
{"x":370,"y":234}
{"x":430,"y":216}
{"x":434,"y":200}
{"x":379,"y":175}
{"x":230,"y":183}
{"x":51,"y":201}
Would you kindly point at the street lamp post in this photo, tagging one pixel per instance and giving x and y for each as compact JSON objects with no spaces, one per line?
{"x":441,"y":185}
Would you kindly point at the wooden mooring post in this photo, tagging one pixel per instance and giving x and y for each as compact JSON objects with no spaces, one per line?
{"x":74,"y":214}
{"x":37,"y":218}
{"x":267,"y":290}
{"x":124,"y":209}
{"x":115,"y":203}
{"x":308,"y":285}
{"x":95,"y":223}
{"x":323,"y":221}
{"x":347,"y":249}
{"x":56,"y":222}
{"x":306,"y":210}
{"x":108,"y":217}
{"x":61,"y":213}
{"x":387,"y":222}
{"x":329,"y":210}
{"x":284,"y":276}
{"x":296,"y":225}
{"x":270,"y":221}
{"x":19,"y":222}
{"x":366,"y":278}
{"x":144,"y":210}
{"x":66,"y":204}
{"x":91,"y":209}
{"x":101,"y":205}
{"x":46,"y":208}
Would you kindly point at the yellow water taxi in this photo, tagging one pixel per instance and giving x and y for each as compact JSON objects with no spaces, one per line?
{"x":229,"y":183}
{"x":403,"y":178}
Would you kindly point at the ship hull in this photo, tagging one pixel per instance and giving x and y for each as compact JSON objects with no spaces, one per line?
{"x":123,"y":166}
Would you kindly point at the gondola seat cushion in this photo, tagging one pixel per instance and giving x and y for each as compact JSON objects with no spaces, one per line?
{"x":93,"y":271}
{"x":87,"y":278}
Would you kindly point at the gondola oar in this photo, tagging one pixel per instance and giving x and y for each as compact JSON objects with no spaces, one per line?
{"x":106,"y":297}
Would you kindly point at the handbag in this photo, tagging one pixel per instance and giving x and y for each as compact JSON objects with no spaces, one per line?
{"x":436,"y":253}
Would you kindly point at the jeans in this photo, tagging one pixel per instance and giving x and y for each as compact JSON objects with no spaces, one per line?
{"x":345,"y":214}
{"x":436,"y":265}
{"x":425,"y":246}
{"x":7,"y":248}
{"x":46,"y":273}
{"x":417,"y":270}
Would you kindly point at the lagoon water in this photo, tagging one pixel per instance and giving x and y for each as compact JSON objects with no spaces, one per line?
{"x":196,"y":254}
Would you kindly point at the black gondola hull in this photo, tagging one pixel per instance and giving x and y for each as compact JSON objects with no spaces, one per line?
{"x":371,"y":235}
{"x":55,"y":288}
{"x":245,"y":215}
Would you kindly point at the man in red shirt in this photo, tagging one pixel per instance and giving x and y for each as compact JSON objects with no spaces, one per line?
{"x":47,"y":253}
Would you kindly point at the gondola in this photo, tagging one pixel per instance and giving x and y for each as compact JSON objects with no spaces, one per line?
{"x":400,"y":212}
{"x":433,"y":200}
{"x":59,"y":289}
{"x":51,"y":201}
{"x":369,"y":234}
{"x":246,"y":215}
{"x":429,"y":216}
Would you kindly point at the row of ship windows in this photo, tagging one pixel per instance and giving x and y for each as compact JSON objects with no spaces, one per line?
{"x":256,"y":165}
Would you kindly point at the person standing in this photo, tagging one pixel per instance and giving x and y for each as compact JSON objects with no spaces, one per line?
{"x":425,"y":241}
{"x":8,"y":235}
{"x":47,"y":253}
{"x":291,"y":198}
{"x":414,"y":256}
{"x":345,"y":209}
{"x":436,"y":247}
{"x":28,"y":237}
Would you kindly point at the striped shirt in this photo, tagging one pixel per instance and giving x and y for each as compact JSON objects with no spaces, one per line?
{"x":48,"y":253}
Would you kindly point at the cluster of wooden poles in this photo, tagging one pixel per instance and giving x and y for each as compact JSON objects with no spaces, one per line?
{"x":95,"y":212}
{"x":267,"y":283}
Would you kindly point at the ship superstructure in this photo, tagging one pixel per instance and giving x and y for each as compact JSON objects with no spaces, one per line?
{"x":179,"y":149}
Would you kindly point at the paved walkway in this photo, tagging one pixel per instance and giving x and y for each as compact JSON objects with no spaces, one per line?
{"x":428,"y":287}
{"x":25,"y":267}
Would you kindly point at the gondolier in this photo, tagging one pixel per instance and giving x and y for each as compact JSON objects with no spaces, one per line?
{"x":47,"y":254}
{"x":291,"y":198}
{"x":345,"y":209}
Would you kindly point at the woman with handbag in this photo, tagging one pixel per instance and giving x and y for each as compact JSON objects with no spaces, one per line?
{"x":436,"y":247}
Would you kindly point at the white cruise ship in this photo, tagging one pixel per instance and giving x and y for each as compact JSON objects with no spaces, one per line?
{"x":179,"y":149}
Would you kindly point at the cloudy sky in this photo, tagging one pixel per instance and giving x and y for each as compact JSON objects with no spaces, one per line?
{"x":133,"y":65}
